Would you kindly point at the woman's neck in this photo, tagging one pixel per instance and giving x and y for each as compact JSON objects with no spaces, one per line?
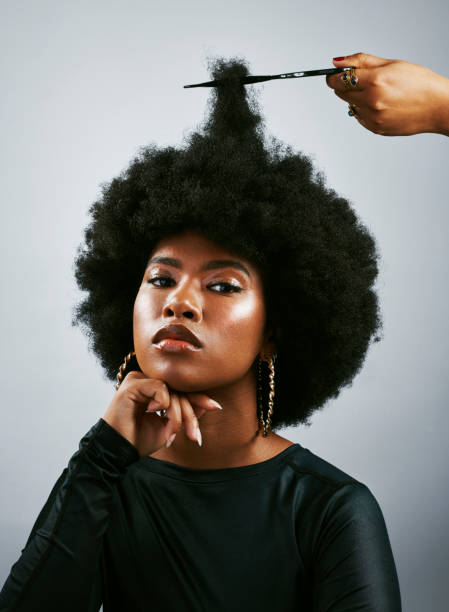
{"x":230,"y":437}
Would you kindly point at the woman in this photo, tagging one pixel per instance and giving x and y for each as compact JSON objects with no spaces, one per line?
{"x":223,"y":275}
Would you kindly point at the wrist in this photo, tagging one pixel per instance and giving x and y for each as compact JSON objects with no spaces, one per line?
{"x":440,"y":124}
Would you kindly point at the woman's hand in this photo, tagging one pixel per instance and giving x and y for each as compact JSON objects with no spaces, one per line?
{"x":132,"y":412}
{"x":394,"y":97}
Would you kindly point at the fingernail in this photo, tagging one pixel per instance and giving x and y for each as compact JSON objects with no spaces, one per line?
{"x":170,"y":440}
{"x":338,"y":59}
{"x":198,"y":436}
{"x":216,"y":404}
{"x":154,"y":404}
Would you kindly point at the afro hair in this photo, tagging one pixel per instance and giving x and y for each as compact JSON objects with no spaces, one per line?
{"x":263,"y":201}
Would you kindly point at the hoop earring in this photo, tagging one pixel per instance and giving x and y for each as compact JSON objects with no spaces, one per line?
{"x":266,"y":424}
{"x":123,"y":368}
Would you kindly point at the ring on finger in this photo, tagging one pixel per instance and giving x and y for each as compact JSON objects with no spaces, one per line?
{"x":353,"y":78}
{"x":350,"y":79}
{"x":345,"y":78}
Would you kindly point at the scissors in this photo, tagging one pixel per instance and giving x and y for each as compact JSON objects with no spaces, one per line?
{"x":269,"y":77}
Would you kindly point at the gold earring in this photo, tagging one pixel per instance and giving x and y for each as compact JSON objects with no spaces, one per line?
{"x":123,"y":368}
{"x":266,"y":424}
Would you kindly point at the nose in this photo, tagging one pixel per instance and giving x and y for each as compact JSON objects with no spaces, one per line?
{"x":182,"y":303}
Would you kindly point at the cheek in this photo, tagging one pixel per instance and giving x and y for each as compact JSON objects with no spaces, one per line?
{"x":143,"y":313}
{"x":240,"y":329}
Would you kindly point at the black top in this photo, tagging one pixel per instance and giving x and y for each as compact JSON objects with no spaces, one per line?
{"x":292,"y":533}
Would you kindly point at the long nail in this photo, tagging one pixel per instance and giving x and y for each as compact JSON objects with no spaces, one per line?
{"x":170,"y":440}
{"x":198,"y":436}
{"x":214,"y":403}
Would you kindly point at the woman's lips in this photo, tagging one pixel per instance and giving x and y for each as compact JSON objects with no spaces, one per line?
{"x":172,"y":345}
{"x":176,"y":332}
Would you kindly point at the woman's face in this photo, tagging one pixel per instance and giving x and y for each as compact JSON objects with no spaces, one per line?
{"x":191,"y":281}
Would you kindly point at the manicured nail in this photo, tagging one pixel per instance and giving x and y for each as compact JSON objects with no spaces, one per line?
{"x":170,"y":440}
{"x":214,"y":403}
{"x":338,"y":59}
{"x":198,"y":436}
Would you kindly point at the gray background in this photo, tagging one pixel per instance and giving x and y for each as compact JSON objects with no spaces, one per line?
{"x":83,"y":86}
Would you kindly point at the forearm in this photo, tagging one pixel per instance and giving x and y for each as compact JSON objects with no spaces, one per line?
{"x":57,"y":568}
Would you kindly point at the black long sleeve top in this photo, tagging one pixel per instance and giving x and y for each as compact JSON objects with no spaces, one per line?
{"x":290,"y":534}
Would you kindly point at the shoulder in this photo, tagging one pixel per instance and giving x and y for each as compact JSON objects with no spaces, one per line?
{"x":333,"y":509}
{"x":329,"y":489}
{"x":306,"y":464}
{"x":341,"y":537}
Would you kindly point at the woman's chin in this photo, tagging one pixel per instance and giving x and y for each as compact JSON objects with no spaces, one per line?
{"x":176,"y":380}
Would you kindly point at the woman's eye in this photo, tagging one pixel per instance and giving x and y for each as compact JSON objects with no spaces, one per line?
{"x":157,"y":278}
{"x":229,"y":287}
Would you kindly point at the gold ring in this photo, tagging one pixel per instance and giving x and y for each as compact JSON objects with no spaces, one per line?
{"x":353,"y":79}
{"x":345,"y":78}
{"x":350,"y":78}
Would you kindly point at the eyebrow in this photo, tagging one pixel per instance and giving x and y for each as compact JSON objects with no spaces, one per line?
{"x":210,"y":265}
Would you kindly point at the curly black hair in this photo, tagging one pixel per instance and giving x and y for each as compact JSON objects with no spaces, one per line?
{"x":263,"y":201}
